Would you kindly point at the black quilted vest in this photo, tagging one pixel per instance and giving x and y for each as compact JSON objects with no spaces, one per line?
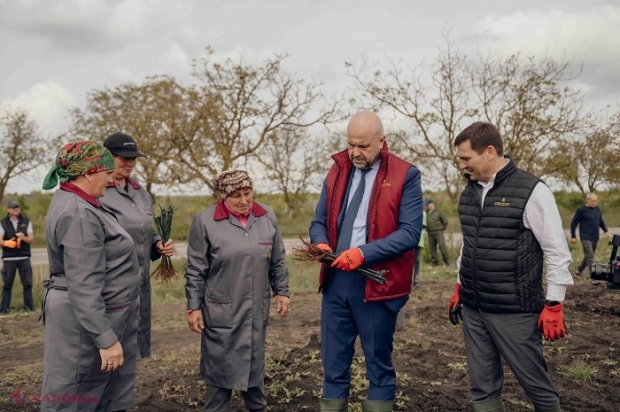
{"x":502,"y":263}
{"x":10,"y":233}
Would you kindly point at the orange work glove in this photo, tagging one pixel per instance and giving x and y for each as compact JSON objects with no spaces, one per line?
{"x":455,"y":308}
{"x":349,"y":260}
{"x":324,"y":246}
{"x":11,"y":243}
{"x":551,"y":322}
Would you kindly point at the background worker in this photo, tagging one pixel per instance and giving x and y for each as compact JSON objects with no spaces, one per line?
{"x":436,"y":224}
{"x":16,"y":236}
{"x":589,"y":218}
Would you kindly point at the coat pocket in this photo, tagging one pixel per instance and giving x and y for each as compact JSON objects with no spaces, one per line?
{"x":219,"y":313}
{"x":118,"y":315}
{"x":266,"y":305}
{"x":89,"y":366}
{"x":265,"y":247}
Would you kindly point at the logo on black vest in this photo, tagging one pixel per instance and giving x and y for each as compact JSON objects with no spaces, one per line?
{"x":502,"y":203}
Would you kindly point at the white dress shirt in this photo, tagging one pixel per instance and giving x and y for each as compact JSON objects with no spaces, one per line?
{"x":542,"y":217}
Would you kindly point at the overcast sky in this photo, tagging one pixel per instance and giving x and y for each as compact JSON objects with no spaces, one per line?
{"x":52,"y":52}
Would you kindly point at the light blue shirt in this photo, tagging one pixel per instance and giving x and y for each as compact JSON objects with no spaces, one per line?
{"x":358,"y":237}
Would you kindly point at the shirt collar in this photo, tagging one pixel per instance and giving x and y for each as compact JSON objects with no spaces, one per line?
{"x":72,"y":188}
{"x":373,"y":167}
{"x":491,"y":181}
{"x":222,"y":211}
{"x":129,"y":180}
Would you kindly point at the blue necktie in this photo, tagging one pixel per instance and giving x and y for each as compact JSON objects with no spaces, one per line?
{"x":346,"y":228}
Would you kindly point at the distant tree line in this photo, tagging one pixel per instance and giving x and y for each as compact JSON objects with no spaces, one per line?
{"x":283,"y":127}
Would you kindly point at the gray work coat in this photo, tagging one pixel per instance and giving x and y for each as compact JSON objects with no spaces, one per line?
{"x":230,"y":272}
{"x":92,"y":302}
{"x":133,"y":209}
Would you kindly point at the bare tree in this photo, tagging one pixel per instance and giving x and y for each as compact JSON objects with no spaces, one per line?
{"x":527,"y":99}
{"x":247,"y":104}
{"x":158,"y":113}
{"x":294,"y":162}
{"x":431,"y":111}
{"x":22,"y":147}
{"x":530,"y":102}
{"x":591,"y":162}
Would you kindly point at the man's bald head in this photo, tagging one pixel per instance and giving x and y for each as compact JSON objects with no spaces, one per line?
{"x":591,"y":200}
{"x":365,"y":138}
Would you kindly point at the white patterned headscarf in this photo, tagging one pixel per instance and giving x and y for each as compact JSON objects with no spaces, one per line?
{"x":228,"y":181}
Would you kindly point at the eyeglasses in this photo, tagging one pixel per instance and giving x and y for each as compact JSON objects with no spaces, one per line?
{"x":14,"y":207}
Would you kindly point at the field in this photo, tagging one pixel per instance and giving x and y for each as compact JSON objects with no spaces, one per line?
{"x":429,"y":354}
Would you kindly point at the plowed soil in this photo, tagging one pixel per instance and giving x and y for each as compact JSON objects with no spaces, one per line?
{"x":429,"y":358}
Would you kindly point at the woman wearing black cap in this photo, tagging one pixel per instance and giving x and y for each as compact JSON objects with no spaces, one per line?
{"x":132,"y":205}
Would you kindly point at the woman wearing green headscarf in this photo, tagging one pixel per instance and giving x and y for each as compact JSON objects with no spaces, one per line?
{"x":91,"y":304}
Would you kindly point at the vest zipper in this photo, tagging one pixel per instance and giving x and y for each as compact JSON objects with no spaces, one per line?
{"x":473,"y":255}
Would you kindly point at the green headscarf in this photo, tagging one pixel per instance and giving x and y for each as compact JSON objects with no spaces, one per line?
{"x":77,"y":159}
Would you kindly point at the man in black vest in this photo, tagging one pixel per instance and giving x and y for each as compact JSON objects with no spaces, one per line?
{"x":511,"y":226}
{"x":16,"y":236}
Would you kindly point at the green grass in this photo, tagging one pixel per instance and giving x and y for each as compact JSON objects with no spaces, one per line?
{"x":303,"y":278}
{"x":36,"y":204}
{"x":578,"y":370}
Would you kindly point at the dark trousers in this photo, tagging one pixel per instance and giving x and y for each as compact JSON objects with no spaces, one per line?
{"x":144,"y":333}
{"x":9,"y":267}
{"x":436,"y":239}
{"x":514,"y":337}
{"x":218,"y":399}
{"x":344,"y":316}
{"x":589,"y":249}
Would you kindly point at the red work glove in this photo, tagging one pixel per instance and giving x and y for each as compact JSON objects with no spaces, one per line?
{"x":455,"y":309}
{"x":11,"y":243}
{"x":324,"y":246}
{"x":349,"y":260}
{"x":551,"y":322}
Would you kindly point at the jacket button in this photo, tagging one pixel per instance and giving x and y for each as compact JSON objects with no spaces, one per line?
{"x":245,"y":234}
{"x":133,"y":205}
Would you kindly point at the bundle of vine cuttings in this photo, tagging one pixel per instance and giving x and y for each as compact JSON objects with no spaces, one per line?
{"x":308,"y":252}
{"x":165,"y":271}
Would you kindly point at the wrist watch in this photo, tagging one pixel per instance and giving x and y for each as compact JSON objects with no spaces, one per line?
{"x":551,"y":302}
